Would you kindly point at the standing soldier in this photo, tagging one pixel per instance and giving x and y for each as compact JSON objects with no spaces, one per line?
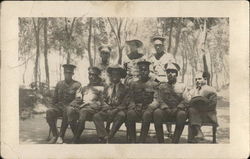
{"x":65,"y":92}
{"x":105,"y":51}
{"x":130,"y":61}
{"x":88,"y":102}
{"x":202,"y":106}
{"x":114,"y":95}
{"x":141,"y":103}
{"x":172,"y":104}
{"x":158,"y":60}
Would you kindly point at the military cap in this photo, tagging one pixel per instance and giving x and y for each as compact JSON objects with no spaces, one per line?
{"x":137,"y":42}
{"x":104,"y":48}
{"x":94,"y":70}
{"x":117,"y":67}
{"x":172,"y":66}
{"x":143,"y":63}
{"x":158,"y":40}
{"x":69,"y":68}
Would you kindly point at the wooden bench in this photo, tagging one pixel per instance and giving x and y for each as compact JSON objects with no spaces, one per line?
{"x":214,"y":129}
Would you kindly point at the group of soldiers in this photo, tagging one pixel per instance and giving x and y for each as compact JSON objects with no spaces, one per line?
{"x":142,"y":90}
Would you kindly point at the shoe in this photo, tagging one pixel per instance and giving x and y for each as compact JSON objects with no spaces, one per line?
{"x":103,"y":140}
{"x":52,"y":140}
{"x":59,"y":140}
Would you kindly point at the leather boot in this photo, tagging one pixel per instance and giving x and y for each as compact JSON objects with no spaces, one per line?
{"x":159,"y":132}
{"x":144,"y":131}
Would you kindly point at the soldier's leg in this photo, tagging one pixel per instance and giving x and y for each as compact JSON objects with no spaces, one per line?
{"x":51,"y":117}
{"x":83,"y":115}
{"x":146,"y":119}
{"x":118,"y":121}
{"x":181,"y":117}
{"x":98,"y":119}
{"x":131,"y":119}
{"x":195,"y":121}
{"x":158,"y":121}
{"x":73,"y":115}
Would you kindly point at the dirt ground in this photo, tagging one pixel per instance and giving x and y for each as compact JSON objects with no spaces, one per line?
{"x":35,"y":131}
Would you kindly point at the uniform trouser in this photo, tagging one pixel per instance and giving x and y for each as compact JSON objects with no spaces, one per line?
{"x":69,"y":116}
{"x":197,"y":117}
{"x":133,"y":116}
{"x":117,"y":117}
{"x":161,"y":116}
{"x":85,"y":114}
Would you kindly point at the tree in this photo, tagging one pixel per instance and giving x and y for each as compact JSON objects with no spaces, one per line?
{"x":37,"y":26}
{"x":45,"y":26}
{"x":89,"y":42}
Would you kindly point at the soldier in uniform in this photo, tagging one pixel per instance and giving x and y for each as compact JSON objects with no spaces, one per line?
{"x":142,"y":103}
{"x":158,"y":60}
{"x":172,"y":104}
{"x":88,"y":102}
{"x":202,"y":106}
{"x":130,"y":61}
{"x":105,"y":51}
{"x":114,"y":95}
{"x":65,"y":92}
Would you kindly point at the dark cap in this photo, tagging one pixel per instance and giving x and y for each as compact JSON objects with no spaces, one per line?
{"x":136,"y":42}
{"x":118,"y":68}
{"x":94,"y":70}
{"x":104,"y":48}
{"x":143,"y":63}
{"x":158,"y":39}
{"x":69,"y":68}
{"x":172,"y":66}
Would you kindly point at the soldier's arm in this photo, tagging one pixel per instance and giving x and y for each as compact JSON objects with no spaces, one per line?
{"x":102,"y":96}
{"x":125,"y":100}
{"x":56,"y":95}
{"x":162,"y":104}
{"x":185,"y":98}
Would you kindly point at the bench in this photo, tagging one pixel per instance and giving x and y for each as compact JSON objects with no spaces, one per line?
{"x":214,"y":129}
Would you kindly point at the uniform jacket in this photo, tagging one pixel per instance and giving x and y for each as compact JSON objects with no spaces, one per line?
{"x":115,"y":101}
{"x":142,"y":95}
{"x":65,"y":93}
{"x":171,"y":96}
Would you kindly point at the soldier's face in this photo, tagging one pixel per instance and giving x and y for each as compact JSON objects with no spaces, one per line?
{"x":92,"y":77}
{"x":105,"y":56}
{"x":172,"y":75}
{"x":133,"y":48}
{"x":68,"y":76}
{"x":143,"y":72}
{"x":159,"y":48}
{"x":115,"y":77}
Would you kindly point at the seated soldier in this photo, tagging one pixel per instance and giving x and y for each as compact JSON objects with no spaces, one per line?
{"x":88,"y":102}
{"x":172,"y":105}
{"x":202,"y":107}
{"x":141,"y":103}
{"x":114,"y":95}
{"x":65,"y":92}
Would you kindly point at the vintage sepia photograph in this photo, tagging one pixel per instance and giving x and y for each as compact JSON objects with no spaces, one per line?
{"x":124,"y":80}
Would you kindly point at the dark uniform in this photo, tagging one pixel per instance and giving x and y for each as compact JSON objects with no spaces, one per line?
{"x":88,"y":102}
{"x":64,"y":94}
{"x":142,"y":103}
{"x":172,"y":108}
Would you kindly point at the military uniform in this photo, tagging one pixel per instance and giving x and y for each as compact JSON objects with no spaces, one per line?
{"x":88,"y":102}
{"x":142,"y":103}
{"x":64,"y":94}
{"x":172,"y":108}
{"x":157,"y":67}
{"x":130,"y":62}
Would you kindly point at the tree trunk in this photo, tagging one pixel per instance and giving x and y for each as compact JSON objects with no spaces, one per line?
{"x":60,"y":66}
{"x":94,"y":38}
{"x":120,"y":56}
{"x":89,"y":42}
{"x":36,"y":32}
{"x":45,"y":25}
{"x":177,"y":37}
{"x":170,"y":35}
